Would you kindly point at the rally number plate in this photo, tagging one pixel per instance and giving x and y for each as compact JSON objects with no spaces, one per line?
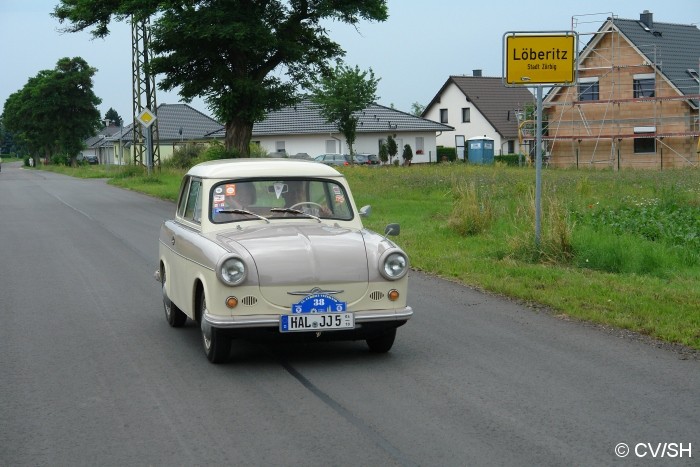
{"x":317,"y":312}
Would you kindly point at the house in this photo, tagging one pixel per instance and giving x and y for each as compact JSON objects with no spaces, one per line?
{"x":178,"y":125}
{"x":302,"y":129}
{"x":478,"y":106}
{"x":100,"y":145}
{"x":635,"y":104}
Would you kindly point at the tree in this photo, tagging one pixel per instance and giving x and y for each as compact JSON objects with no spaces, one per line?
{"x":383,"y":153}
{"x":391,"y":147}
{"x":113,"y":117}
{"x":341,"y":94}
{"x":407,"y":154}
{"x":417,"y":109}
{"x":232,"y":53}
{"x":56,"y":110}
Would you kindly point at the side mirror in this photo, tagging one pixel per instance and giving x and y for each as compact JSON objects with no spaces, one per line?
{"x":392,"y":229}
{"x":365,"y":211}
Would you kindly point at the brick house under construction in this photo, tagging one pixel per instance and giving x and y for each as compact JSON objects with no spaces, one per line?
{"x":636,"y":101}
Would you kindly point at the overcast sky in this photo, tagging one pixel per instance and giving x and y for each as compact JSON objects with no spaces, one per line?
{"x":414,"y":52}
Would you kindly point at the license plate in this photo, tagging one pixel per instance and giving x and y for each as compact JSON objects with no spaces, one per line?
{"x":317,"y":322}
{"x":317,"y":312}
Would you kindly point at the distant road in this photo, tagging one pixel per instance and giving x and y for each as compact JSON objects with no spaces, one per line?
{"x":91,"y":374}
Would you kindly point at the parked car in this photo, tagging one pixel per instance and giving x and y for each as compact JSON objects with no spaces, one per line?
{"x":367,"y":159}
{"x":277,"y":247}
{"x":374,"y":159}
{"x":334,"y":159}
{"x":91,"y":159}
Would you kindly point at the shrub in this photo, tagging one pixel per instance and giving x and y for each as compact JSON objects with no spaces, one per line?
{"x":257,"y":151}
{"x":60,"y":159}
{"x":472,"y":212}
{"x":383,"y":153}
{"x":216,"y":151}
{"x":407,"y":154}
{"x":512,"y":160}
{"x":446,"y":154}
{"x":556,"y":231}
{"x":183,"y":157}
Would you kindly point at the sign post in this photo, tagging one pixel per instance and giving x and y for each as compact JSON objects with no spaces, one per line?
{"x":539,"y":59}
{"x":146,"y":117}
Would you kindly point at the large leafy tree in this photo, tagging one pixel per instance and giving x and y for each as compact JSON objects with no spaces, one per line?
{"x":244,"y":57}
{"x":56,"y":110}
{"x":341,"y":94}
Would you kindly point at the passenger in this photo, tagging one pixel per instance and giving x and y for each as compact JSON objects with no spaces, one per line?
{"x":241,"y":197}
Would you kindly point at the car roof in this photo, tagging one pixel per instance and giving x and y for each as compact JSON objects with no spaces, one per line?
{"x":262,"y":167}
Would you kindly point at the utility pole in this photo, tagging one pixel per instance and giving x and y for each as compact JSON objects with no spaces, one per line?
{"x":144,"y":95}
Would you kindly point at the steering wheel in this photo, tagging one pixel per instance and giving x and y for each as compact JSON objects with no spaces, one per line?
{"x":306,"y":202}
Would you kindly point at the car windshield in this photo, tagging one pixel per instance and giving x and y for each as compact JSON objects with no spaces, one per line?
{"x":360,"y":159}
{"x":241,"y":200}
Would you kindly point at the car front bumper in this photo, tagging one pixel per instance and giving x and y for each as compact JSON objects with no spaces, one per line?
{"x":269,"y":321}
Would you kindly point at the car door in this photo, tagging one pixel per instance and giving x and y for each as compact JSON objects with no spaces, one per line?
{"x":183,"y":238}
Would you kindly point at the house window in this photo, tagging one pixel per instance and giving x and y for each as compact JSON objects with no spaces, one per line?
{"x":420,"y":145}
{"x":511,"y":146}
{"x":330,"y":146}
{"x":645,"y":143}
{"x":279,"y":146}
{"x":588,"y":89}
{"x":443,"y":115}
{"x":465,"y":115}
{"x":644,"y":85}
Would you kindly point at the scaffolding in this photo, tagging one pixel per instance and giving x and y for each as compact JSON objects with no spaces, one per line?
{"x":622,"y":112}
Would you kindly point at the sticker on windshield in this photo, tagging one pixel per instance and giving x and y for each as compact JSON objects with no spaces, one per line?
{"x":279,"y":189}
{"x":231,"y":189}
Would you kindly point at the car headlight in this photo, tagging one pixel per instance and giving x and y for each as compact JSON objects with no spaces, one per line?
{"x":232,"y":271}
{"x":394,"y":266}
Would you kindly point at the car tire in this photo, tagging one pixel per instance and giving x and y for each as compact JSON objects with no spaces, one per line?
{"x":382,"y":343}
{"x":173,"y":315}
{"x":216,"y":343}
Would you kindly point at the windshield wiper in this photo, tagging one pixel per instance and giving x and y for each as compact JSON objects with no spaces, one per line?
{"x":295,"y":211}
{"x":244,"y":212}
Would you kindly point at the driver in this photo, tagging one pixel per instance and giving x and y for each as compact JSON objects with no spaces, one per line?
{"x":296,"y":198}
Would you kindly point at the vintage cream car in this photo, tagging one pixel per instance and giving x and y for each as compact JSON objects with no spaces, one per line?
{"x":276,"y":246}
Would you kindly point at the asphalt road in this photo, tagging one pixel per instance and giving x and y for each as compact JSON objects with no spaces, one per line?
{"x":91,"y":374}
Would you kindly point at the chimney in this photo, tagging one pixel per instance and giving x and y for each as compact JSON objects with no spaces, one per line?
{"x":647,"y":19}
{"x":476,"y":73}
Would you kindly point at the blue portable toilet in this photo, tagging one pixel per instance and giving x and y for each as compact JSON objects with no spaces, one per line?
{"x":480,"y":150}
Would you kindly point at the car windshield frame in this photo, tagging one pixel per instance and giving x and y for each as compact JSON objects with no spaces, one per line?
{"x":275,"y":198}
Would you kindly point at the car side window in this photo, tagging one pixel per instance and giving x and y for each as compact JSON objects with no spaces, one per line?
{"x":182,"y":201}
{"x":193,"y":208}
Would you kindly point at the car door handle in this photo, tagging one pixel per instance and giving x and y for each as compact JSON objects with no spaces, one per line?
{"x":172,"y":240}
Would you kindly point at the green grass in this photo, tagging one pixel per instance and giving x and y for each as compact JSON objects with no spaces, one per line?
{"x":617,"y":248}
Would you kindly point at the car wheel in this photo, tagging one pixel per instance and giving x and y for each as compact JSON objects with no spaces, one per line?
{"x":217,"y":344}
{"x":383,"y":342}
{"x":175,"y":317}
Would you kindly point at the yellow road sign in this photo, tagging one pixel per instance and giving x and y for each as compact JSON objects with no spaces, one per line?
{"x":146,"y":117}
{"x":540,"y":58}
